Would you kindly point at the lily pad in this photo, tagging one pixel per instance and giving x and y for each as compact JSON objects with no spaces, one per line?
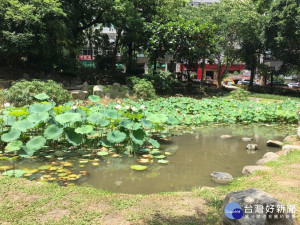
{"x":45,"y":167}
{"x":14,"y":173}
{"x":102,"y":153}
{"x":138,"y":167}
{"x":6,"y":168}
{"x":160,"y":156}
{"x":68,"y":118}
{"x":162,"y":161}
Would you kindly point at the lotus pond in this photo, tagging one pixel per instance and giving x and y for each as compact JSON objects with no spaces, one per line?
{"x":136,"y":147}
{"x":192,"y":156}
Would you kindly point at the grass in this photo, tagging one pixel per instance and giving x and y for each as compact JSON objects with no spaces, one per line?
{"x":271,"y":97}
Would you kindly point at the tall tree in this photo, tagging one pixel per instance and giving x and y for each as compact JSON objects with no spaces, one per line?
{"x":283,"y":31}
{"x":236,"y":19}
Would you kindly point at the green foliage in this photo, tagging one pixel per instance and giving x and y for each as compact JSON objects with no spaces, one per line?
{"x":239,"y":94}
{"x":163,"y":82}
{"x":144,"y":89}
{"x":25,"y":92}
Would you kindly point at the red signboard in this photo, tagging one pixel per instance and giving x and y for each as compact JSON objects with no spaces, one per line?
{"x":86,"y":57}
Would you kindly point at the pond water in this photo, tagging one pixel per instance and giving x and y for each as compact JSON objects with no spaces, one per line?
{"x":194,"y":157}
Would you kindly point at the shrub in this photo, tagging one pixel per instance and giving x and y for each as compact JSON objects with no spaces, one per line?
{"x":144,"y":89}
{"x":23,"y":92}
{"x":163,"y":81}
{"x":239,"y":94}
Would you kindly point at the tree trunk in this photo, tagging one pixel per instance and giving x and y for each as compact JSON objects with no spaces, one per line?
{"x":115,"y":51}
{"x":129,"y":63}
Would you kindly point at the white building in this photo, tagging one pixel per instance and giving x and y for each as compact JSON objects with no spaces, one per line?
{"x":197,"y":2}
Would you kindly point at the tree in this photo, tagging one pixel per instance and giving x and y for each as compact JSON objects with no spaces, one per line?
{"x":32,"y":31}
{"x":283,"y":31}
{"x":236,"y":20}
{"x":186,"y":40}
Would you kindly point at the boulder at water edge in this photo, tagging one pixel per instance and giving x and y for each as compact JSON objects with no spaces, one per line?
{"x":251,"y":146}
{"x":250,"y":169}
{"x":98,"y":90}
{"x":257,"y":209}
{"x":276,"y":144}
{"x":221,"y":178}
{"x":268,"y":157}
{"x":78,"y":94}
{"x":246,"y":139}
{"x":226,"y":136}
{"x":288,"y":148}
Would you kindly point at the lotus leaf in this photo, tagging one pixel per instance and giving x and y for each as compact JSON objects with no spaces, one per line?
{"x":129,"y":124}
{"x":53,"y":132}
{"x":18,"y":112}
{"x":68,"y":118}
{"x":35,"y":144}
{"x":38,"y":117}
{"x":158,"y":118}
{"x":73,"y":137}
{"x":14,"y":146}
{"x":154,"y":143}
{"x":23,"y":125}
{"x":138,"y":167}
{"x":160,"y":156}
{"x":138,"y":136}
{"x":94,"y":98}
{"x":147,"y":123}
{"x":12,"y":135}
{"x":112,"y":114}
{"x":38,"y":108}
{"x":116,"y":136}
{"x":42,"y":96}
{"x":86,"y":129}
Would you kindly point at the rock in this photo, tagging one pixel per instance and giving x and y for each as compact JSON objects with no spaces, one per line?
{"x":290,"y":139}
{"x":98,"y":90}
{"x":268,"y":157}
{"x":246,"y":139}
{"x":221,"y":178}
{"x":249,"y":201}
{"x":226,"y":136}
{"x":116,"y":87}
{"x":85,"y":87}
{"x":108,"y":95}
{"x":250,"y":169}
{"x":79,"y":94}
{"x":59,"y":153}
{"x":251,"y":147}
{"x":288,"y":148}
{"x":276,"y":144}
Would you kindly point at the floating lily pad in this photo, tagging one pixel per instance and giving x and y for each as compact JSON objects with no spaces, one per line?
{"x":6,"y":168}
{"x":46,"y":167}
{"x":95,"y":164}
{"x":14,"y":173}
{"x":83,"y":161}
{"x":143,"y":160}
{"x":115,"y":155}
{"x":162,"y":161}
{"x":62,"y":174}
{"x":160,"y":156}
{"x":168,"y":153}
{"x":102,"y":153}
{"x":138,"y":167}
{"x":155,"y":152}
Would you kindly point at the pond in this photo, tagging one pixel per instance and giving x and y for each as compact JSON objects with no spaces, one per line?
{"x":194,"y":157}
